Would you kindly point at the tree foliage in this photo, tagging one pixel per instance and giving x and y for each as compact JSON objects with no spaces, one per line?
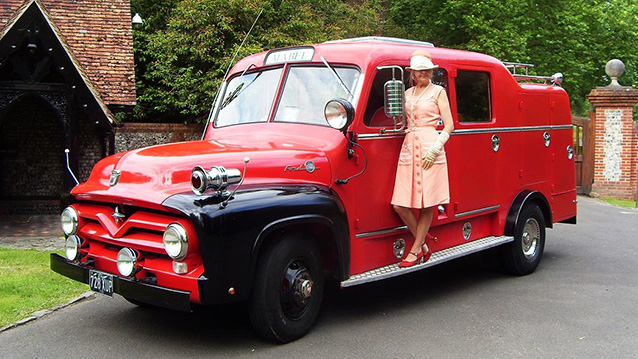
{"x":185,"y":46}
{"x":575,"y":37}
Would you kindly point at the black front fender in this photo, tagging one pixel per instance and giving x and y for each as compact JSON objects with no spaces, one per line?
{"x":231,"y":237}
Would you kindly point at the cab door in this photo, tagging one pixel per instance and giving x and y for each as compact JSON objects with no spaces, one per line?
{"x":476,"y":149}
{"x":379,"y":230}
{"x":377,"y":226}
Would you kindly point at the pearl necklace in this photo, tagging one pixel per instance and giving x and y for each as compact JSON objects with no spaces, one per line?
{"x":413,"y":105}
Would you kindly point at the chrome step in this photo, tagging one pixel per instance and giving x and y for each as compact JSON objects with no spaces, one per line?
{"x":439,"y":257}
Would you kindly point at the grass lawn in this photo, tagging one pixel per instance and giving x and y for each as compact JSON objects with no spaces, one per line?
{"x":27,"y":284}
{"x":619,"y":202}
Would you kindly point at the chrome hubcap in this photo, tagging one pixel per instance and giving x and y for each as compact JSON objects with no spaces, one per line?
{"x":296,"y":289}
{"x":530,"y":239}
{"x":305,"y":289}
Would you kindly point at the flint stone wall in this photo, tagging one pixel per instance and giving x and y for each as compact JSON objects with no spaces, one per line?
{"x":137,"y":135}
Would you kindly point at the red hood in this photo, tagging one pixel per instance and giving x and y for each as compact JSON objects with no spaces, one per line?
{"x":154,"y":173}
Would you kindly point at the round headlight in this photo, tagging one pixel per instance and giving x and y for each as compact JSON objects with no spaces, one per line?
{"x":176,"y":241}
{"x":339,"y":113}
{"x":335,"y":114}
{"x":69,"y":221}
{"x":126,"y":261}
{"x":72,"y":247}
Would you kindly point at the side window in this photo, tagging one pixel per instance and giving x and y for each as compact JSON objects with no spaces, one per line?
{"x":374,"y":115}
{"x":473,"y":96}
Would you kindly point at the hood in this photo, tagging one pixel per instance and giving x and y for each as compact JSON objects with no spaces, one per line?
{"x":154,"y":173}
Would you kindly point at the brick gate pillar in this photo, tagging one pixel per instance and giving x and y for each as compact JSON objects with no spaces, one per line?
{"x":616,"y":137}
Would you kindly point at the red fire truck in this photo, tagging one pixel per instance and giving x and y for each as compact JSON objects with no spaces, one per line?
{"x":293,"y":178}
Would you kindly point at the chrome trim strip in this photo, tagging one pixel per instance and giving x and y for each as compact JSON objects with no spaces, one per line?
{"x":393,"y":270}
{"x":368,"y":136}
{"x":477,"y":211}
{"x":511,"y":129}
{"x":381,"y":232}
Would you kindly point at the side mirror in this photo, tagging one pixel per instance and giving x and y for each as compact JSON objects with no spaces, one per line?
{"x":394,"y":98}
{"x":339,"y":113}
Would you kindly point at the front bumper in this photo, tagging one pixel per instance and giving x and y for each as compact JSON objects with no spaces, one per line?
{"x":142,"y":292}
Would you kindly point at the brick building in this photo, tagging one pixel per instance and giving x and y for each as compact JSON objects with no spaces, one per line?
{"x":65,"y":67}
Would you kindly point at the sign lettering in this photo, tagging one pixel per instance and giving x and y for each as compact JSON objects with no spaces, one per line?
{"x":291,"y":55}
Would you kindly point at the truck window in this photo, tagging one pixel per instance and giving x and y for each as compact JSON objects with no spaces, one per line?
{"x":248,"y":98}
{"x":473,"y":96}
{"x":308,"y":89}
{"x":374,"y":115}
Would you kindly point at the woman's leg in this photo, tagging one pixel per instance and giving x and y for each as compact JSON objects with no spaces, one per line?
{"x":423,"y":227}
{"x":408,"y":217}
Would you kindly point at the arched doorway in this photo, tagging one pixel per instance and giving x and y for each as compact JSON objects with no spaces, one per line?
{"x":32,"y":159}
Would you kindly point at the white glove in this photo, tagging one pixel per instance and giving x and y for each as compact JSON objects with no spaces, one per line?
{"x":437,"y":147}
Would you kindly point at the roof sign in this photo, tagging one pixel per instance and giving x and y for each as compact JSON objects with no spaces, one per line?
{"x":297,"y":54}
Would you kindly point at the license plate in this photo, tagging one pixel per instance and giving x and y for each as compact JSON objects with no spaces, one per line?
{"x":101,"y":282}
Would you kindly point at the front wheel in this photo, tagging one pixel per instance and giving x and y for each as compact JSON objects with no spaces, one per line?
{"x":523,"y":255}
{"x":288,"y":289}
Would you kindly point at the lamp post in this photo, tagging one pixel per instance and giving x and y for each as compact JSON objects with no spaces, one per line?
{"x":136,"y":21}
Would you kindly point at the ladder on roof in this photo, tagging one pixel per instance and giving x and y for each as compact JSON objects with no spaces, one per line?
{"x":555,"y":79}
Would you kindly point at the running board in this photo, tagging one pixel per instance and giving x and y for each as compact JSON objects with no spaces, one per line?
{"x":439,"y":257}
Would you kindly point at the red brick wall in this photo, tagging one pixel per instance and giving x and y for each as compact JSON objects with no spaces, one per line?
{"x":616,"y":142}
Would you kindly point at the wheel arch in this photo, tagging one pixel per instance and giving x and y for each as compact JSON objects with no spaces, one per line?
{"x":321,"y":229}
{"x":523,"y":199}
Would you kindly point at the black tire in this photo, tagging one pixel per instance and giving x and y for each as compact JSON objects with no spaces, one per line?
{"x":522,"y":256}
{"x":282,"y":307}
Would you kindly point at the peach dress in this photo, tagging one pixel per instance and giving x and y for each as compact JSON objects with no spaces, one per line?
{"x":413,"y":186}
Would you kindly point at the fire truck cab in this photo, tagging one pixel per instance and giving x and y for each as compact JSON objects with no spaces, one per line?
{"x":293,"y":178}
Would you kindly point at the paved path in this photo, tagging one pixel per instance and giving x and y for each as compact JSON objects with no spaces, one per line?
{"x":580,"y":303}
{"x":41,"y":232}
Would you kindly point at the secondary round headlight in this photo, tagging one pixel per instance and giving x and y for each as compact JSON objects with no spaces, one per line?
{"x":126,"y":261}
{"x":199,"y":182}
{"x":72,"y":247}
{"x":339,"y":113}
{"x":69,"y":221}
{"x":176,"y":241}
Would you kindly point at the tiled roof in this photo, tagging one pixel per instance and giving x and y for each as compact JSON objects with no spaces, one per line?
{"x":98,"y":33}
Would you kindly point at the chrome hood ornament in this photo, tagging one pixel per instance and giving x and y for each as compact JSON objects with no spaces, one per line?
{"x":117,"y":215}
{"x":115,"y":177}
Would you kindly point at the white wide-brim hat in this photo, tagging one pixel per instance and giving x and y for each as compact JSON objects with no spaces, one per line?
{"x":419,"y":61}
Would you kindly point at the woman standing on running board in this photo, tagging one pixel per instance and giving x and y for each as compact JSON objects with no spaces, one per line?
{"x":422,"y":180}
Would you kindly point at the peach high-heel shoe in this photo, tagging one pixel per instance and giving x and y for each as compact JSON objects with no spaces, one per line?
{"x":405,"y":263}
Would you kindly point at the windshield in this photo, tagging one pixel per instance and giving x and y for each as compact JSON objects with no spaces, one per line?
{"x":249,"y":98}
{"x":307,"y":91}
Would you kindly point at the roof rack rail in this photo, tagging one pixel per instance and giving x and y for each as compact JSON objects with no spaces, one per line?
{"x":512,"y":66}
{"x":383,"y":39}
{"x":555,"y":79}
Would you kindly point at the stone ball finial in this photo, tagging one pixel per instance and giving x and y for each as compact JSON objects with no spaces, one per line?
{"x":614,"y":69}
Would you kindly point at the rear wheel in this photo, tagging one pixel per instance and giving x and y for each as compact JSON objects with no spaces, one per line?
{"x":523,"y":255}
{"x":288,"y":289}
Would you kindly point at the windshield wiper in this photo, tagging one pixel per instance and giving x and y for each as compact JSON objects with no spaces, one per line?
{"x":231,"y":96}
{"x":338,"y":78}
{"x":241,"y":88}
